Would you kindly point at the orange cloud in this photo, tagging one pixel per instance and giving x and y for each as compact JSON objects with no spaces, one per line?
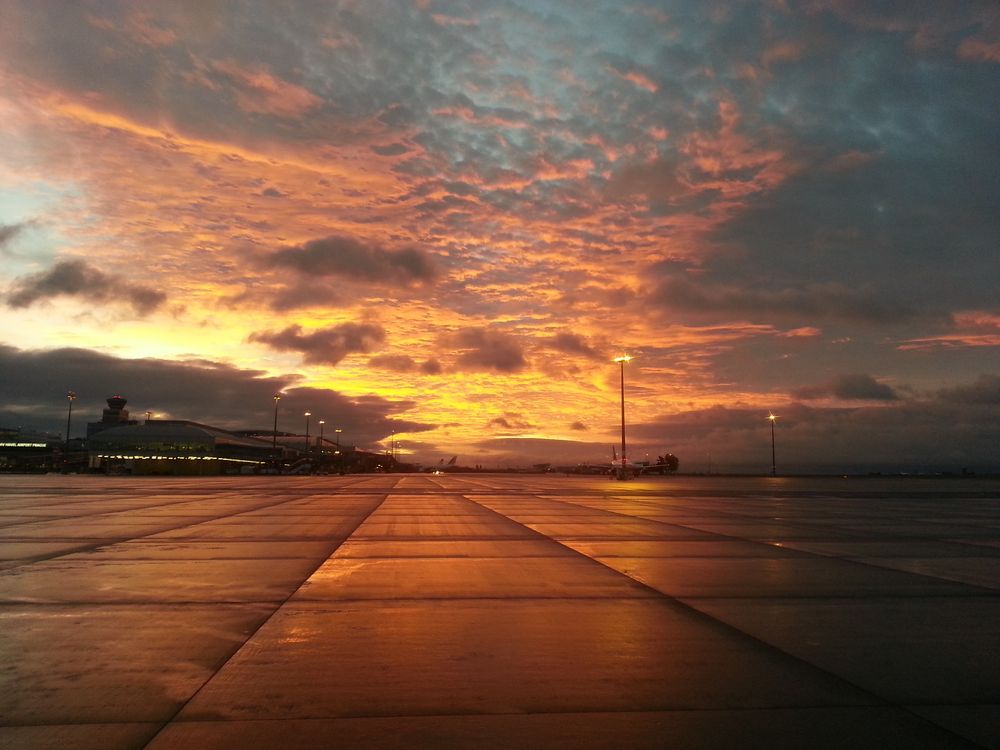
{"x":258,"y":90}
{"x":783,"y":52}
{"x":640,"y":80}
{"x":979,"y":49}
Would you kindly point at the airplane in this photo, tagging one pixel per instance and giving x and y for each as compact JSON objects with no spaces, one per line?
{"x":623,"y":468}
{"x":443,"y":467}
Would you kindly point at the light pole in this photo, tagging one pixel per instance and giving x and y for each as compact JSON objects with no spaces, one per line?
{"x":71,"y":397}
{"x":321,"y":423}
{"x":771,"y":418}
{"x":621,"y":360}
{"x":274,"y":439}
{"x":308,"y":414}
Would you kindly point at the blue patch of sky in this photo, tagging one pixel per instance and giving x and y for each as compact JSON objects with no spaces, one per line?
{"x":42,"y":240}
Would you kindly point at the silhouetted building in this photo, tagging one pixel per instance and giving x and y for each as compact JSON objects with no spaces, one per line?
{"x":114,"y":415}
{"x":176,"y":447}
{"x":26,"y":450}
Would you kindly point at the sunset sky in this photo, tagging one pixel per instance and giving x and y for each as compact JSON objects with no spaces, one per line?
{"x":444,"y":219}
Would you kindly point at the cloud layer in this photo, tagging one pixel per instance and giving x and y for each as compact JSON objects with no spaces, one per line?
{"x":470,"y":206}
{"x":35,"y":384}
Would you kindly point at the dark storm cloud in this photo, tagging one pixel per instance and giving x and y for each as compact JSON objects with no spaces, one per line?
{"x":353,"y":259}
{"x":897,"y":163}
{"x":393,"y":149}
{"x":395,"y":362}
{"x":985,"y":390}
{"x":430,"y":367}
{"x":404,"y":363}
{"x":74,"y":278}
{"x":879,"y":226}
{"x":931,"y":435}
{"x":9,"y":231}
{"x":32,"y":394}
{"x":913,"y":437}
{"x":324,"y":346}
{"x":859,"y":386}
{"x":572,"y":343}
{"x":813,"y":302}
{"x":487,"y":349}
{"x":700,"y":423}
{"x":511,"y":421}
{"x":304,"y":294}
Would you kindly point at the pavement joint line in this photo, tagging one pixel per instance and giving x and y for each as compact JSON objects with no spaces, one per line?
{"x":79,"y":517}
{"x":835,"y":598}
{"x":266,"y":619}
{"x":680,"y":604}
{"x":803,"y":553}
{"x":98,"y":543}
{"x":859,"y":707}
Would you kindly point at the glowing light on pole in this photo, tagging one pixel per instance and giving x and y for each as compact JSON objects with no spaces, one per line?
{"x":71,"y":397}
{"x":621,"y":360}
{"x":307,"y":415}
{"x":321,"y":423}
{"x":771,"y":418}
{"x":274,"y":439}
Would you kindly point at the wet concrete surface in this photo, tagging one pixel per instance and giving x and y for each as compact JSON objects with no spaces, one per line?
{"x":498,"y":611}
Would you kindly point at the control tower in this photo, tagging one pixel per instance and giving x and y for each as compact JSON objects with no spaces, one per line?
{"x":114,"y":415}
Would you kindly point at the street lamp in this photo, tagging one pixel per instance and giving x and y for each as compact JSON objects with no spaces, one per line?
{"x":771,"y":418}
{"x":337,"y":433}
{"x":308,"y":414}
{"x":321,"y":423}
{"x":274,"y":439}
{"x":621,"y":360}
{"x":71,"y":397}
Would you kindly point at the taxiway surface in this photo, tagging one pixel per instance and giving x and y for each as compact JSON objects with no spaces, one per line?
{"x":498,"y":611}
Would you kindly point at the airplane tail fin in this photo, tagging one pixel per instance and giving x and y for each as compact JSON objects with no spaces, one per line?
{"x":453,"y":460}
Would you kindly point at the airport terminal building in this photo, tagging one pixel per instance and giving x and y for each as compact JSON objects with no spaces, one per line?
{"x":28,"y":450}
{"x":177,"y":447}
